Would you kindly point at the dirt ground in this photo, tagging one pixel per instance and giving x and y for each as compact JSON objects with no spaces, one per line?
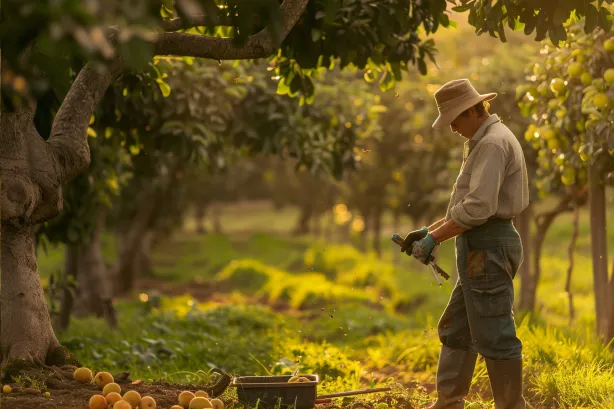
{"x":78,"y":395}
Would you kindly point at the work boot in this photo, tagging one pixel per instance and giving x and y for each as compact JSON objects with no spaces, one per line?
{"x":506,"y":383}
{"x":454,"y":374}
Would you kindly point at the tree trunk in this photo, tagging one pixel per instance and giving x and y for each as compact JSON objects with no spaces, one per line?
{"x":217,"y":223}
{"x":316,"y":227}
{"x":543,"y":222}
{"x":199,"y":216}
{"x":396,"y":222}
{"x":597,"y":205}
{"x":25,"y":326}
{"x":523,"y":224}
{"x":142,"y":262}
{"x":95,"y":291}
{"x":570,"y":252}
{"x":71,"y":266}
{"x":330,"y":226}
{"x":124,"y":269}
{"x":302,"y":224}
{"x":364,"y":234}
{"x":377,"y":232}
{"x":610,"y":335}
{"x":344,"y":230}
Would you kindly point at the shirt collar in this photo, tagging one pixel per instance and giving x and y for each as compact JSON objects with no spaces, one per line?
{"x":482,"y":130}
{"x":470,"y":144}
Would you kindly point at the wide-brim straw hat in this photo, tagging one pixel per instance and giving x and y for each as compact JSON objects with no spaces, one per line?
{"x":455,"y":97}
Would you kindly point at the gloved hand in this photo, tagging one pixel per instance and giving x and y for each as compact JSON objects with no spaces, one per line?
{"x":413,"y":237}
{"x":423,"y":249}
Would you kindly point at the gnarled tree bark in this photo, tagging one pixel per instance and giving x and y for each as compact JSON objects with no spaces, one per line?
{"x":33,"y":171}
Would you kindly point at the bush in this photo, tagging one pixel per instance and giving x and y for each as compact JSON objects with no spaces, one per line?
{"x":248,"y":275}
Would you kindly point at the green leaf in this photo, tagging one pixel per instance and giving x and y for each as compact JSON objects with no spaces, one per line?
{"x":591,"y":20}
{"x":557,"y":34}
{"x":461,"y":9}
{"x":422,"y":66}
{"x":316,"y":34}
{"x":605,"y":19}
{"x":165,"y":88}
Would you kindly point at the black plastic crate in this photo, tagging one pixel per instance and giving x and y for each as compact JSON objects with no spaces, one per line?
{"x":270,"y":391}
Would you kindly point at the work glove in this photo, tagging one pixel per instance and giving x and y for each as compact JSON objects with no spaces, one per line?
{"x":423,"y":249}
{"x":413,"y":237}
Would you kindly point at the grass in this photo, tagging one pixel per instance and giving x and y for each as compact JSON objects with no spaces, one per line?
{"x":355,"y":320}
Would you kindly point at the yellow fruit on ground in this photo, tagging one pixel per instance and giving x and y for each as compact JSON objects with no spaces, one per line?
{"x":98,"y":402}
{"x":6,"y":389}
{"x":608,"y":44}
{"x":557,"y":85}
{"x":600,"y":100}
{"x":586,"y":78}
{"x":133,"y":398}
{"x":185,"y":398}
{"x":575,"y":69}
{"x":47,"y":394}
{"x":147,"y":403}
{"x":217,"y":404}
{"x":83,"y":375}
{"x":200,"y":403}
{"x":293,"y":379}
{"x":608,"y":75}
{"x":201,"y":394}
{"x":113,"y":398}
{"x":102,"y":379}
{"x":122,"y":404}
{"x":111,"y":387}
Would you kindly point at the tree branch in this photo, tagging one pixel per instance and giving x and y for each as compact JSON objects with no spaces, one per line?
{"x":259,"y":45}
{"x":195,"y":21}
{"x":68,"y":140}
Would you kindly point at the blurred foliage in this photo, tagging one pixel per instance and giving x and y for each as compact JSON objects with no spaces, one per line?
{"x":568,"y":95}
{"x":382,"y":38}
{"x":546,"y":17}
{"x":321,"y":134}
{"x":380,"y":35}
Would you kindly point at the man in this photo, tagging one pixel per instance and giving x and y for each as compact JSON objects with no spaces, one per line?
{"x":491,"y":189}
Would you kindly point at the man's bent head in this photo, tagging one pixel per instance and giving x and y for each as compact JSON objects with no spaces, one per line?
{"x":461,"y":107}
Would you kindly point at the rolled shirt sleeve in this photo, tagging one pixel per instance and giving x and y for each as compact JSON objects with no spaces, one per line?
{"x":486,"y":178}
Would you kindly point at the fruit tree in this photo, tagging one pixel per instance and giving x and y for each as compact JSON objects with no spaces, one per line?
{"x":570,"y":99}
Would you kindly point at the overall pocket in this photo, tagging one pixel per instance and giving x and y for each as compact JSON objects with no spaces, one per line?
{"x":493,"y":302}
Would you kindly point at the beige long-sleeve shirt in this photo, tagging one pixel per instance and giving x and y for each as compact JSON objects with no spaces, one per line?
{"x":493,"y":179}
